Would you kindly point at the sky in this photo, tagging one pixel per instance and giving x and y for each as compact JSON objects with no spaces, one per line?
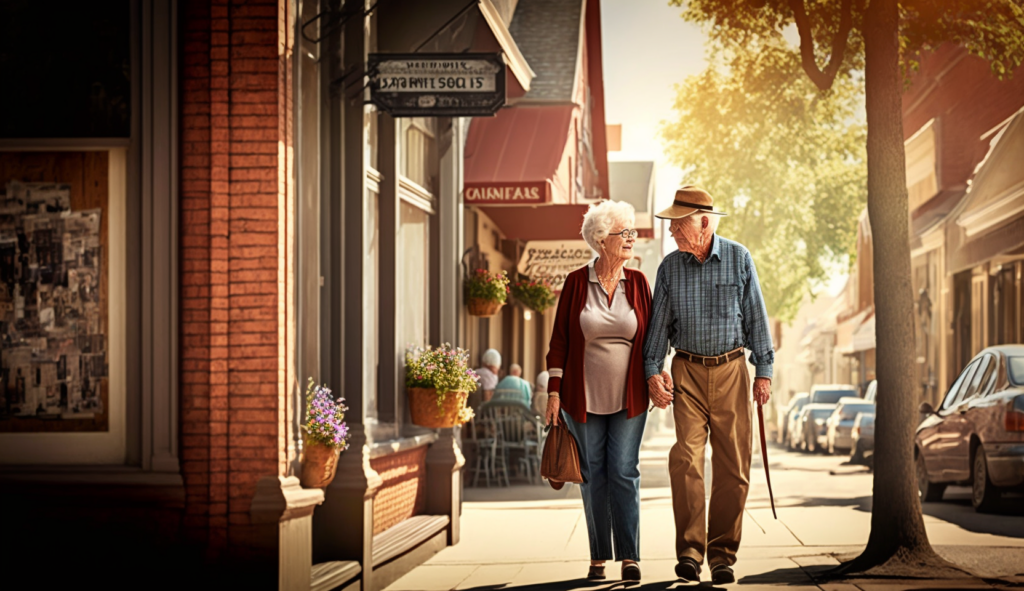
{"x":647,"y":48}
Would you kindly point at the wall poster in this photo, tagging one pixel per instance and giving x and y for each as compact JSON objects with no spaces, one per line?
{"x":53,"y":300}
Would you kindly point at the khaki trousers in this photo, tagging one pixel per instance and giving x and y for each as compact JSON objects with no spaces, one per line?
{"x":713,"y":400}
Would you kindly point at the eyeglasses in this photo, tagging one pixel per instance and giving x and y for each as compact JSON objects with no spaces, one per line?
{"x":625,"y":234}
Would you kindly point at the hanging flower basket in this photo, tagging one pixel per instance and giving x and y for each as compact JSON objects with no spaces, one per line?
{"x":326,"y":436}
{"x":482,"y":307}
{"x":534,"y":294}
{"x":486,"y":292}
{"x":438,"y":382}
{"x":428,"y":409}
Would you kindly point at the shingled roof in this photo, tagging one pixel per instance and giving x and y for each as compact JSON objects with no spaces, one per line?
{"x":548,"y":34}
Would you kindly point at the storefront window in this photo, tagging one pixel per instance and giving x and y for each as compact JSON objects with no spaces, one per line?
{"x":413,"y":271}
{"x":419,"y":152}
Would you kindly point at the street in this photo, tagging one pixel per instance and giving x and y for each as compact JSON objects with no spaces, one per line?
{"x":532,"y":537}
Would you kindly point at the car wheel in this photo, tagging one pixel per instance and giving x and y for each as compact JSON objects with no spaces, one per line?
{"x":930,"y":492}
{"x":984,"y":494}
{"x":858,"y":456}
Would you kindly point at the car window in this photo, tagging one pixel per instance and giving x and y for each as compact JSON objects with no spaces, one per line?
{"x":831,"y":396}
{"x":1015,"y":365}
{"x":872,"y":390}
{"x":849,"y":411}
{"x":965,"y":375}
{"x":985,"y":370}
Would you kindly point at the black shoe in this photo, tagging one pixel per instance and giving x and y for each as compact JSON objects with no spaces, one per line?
{"x":722,"y":575}
{"x":596,"y":573}
{"x":688,"y":570}
{"x":631,"y":572}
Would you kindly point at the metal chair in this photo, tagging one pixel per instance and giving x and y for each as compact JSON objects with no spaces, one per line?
{"x":511,"y":419}
{"x":486,"y":437}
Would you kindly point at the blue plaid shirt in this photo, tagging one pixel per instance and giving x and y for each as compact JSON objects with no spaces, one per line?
{"x":709,"y":309}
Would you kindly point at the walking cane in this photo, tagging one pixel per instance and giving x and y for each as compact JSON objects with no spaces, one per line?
{"x":764,"y":458}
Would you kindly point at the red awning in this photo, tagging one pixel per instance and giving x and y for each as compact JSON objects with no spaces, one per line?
{"x":543,"y":222}
{"x":516,"y":158}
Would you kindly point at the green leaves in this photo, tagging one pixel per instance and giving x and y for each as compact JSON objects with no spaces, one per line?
{"x":786,"y":160}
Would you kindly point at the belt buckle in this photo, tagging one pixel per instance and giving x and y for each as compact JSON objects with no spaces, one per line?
{"x":704,"y":361}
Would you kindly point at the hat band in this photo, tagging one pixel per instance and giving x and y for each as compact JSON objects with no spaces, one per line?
{"x":694,"y":205}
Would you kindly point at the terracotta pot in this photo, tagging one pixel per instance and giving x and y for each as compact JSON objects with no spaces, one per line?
{"x":425,"y":412}
{"x":319,"y":463}
{"x":482,"y":307}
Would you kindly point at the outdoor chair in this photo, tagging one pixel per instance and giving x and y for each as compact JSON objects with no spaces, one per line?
{"x":485,"y":437}
{"x":521,"y":431}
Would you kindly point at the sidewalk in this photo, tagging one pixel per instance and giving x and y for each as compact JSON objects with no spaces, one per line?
{"x":541,"y":543}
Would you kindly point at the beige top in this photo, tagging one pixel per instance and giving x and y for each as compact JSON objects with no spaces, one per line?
{"x":609,"y":331}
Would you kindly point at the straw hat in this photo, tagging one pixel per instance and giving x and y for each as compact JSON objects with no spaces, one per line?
{"x":689,"y":199}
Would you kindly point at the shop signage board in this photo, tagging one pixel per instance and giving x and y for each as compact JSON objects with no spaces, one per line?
{"x":437,"y":84}
{"x":553,"y":260}
{"x":519,"y":193}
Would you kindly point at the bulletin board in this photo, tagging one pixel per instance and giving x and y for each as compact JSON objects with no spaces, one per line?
{"x":54,"y":291}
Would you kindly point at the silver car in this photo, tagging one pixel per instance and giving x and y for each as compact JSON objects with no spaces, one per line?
{"x":811,"y":426}
{"x":840,"y":424}
{"x":863,"y":439}
{"x":787,"y":419}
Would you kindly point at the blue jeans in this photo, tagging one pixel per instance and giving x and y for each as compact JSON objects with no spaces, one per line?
{"x":610,"y":463}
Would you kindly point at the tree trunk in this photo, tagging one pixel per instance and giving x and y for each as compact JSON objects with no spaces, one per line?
{"x":898,"y":543}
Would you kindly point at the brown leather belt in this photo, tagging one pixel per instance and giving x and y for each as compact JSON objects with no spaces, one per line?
{"x":710,"y":361}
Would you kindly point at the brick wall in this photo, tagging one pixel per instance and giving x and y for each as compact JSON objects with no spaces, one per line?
{"x":967,"y":99}
{"x":235,"y":129}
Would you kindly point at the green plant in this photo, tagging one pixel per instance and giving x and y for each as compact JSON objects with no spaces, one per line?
{"x":488,"y":286}
{"x":444,"y":368}
{"x":325,"y":417}
{"x":533,"y":294}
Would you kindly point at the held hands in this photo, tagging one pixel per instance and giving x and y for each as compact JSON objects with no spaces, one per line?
{"x":762,"y":390}
{"x":659,"y":389}
{"x":554,"y":404}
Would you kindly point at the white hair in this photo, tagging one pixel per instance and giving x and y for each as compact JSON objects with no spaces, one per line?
{"x":694,"y":220}
{"x":542,"y":381}
{"x":491,"y":357}
{"x":515,"y":370}
{"x":600,"y":218}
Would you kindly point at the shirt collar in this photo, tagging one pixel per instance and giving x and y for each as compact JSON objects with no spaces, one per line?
{"x":593,"y":272}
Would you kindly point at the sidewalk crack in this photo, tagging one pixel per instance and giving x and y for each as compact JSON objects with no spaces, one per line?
{"x":752,"y":518}
{"x":574,"y":526}
{"x":793,"y":533}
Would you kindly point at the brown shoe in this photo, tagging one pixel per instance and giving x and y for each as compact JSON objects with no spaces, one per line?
{"x":631,"y":572}
{"x":596,"y":573}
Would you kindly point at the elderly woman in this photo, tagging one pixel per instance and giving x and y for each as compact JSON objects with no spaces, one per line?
{"x":488,"y":378}
{"x":597,"y":383}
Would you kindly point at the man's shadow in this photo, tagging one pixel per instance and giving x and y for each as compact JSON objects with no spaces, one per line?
{"x":783,"y":577}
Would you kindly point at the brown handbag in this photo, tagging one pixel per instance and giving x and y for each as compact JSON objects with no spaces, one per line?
{"x":561,"y":460}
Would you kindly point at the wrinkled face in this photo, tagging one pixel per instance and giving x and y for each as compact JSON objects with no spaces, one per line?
{"x":687,"y":232}
{"x":617,"y":247}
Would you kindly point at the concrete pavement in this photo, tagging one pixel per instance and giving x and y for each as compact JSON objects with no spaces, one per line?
{"x":532,"y":538}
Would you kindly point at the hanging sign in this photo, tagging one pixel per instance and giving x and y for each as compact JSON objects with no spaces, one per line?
{"x":507,"y":193}
{"x":553,"y":260}
{"x":437,"y":85}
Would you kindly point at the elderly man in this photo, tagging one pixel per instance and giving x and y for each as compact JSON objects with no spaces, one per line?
{"x":708,"y":306}
{"x":514,"y":387}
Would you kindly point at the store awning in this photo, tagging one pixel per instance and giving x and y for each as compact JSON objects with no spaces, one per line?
{"x":864,"y":336}
{"x":519,"y":157}
{"x":845,"y":331}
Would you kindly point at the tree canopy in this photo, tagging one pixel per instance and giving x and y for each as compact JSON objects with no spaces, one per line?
{"x":784,"y":159}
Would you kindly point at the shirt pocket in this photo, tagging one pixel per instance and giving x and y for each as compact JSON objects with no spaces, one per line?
{"x":727,"y":300}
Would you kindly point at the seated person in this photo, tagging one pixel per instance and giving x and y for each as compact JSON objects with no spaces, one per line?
{"x":514,"y":387}
{"x":540,"y":394}
{"x":488,"y":378}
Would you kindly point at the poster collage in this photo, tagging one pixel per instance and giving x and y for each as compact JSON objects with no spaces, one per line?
{"x":53,"y":358}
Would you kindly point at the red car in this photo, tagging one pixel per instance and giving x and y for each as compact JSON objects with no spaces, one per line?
{"x":976,"y":437}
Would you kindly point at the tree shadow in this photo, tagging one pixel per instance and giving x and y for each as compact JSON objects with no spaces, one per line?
{"x":788,"y":577}
{"x":862,"y":503}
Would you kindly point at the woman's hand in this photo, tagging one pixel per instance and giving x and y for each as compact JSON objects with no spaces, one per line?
{"x":554,"y":404}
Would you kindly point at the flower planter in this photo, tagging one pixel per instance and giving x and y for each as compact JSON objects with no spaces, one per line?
{"x":482,"y":307}
{"x":319,"y":462}
{"x":426,"y":413}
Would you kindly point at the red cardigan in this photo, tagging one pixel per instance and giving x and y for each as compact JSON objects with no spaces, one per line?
{"x":567,"y":345}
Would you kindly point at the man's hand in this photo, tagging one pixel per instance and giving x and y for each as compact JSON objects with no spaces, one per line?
{"x":667,"y":378}
{"x":659,"y":395}
{"x":762,"y":390}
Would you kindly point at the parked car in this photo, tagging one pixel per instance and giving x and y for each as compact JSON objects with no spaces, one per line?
{"x":812,"y":428}
{"x":840,"y":423}
{"x":976,"y":436}
{"x":788,"y":416}
{"x":863,"y":439}
{"x":871,"y":391}
{"x":831,"y":393}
